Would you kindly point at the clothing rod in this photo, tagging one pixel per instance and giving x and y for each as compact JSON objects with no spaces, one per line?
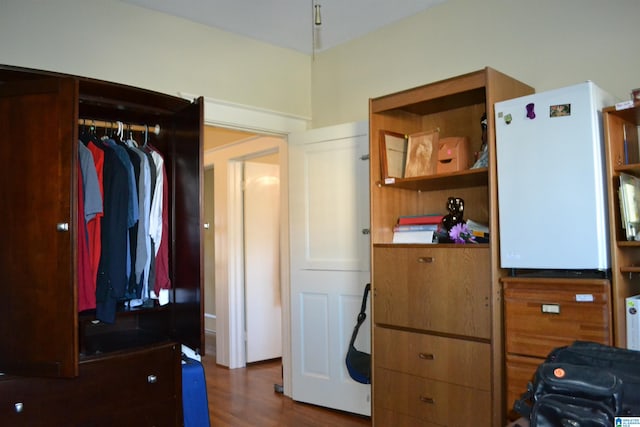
{"x":114,"y":125}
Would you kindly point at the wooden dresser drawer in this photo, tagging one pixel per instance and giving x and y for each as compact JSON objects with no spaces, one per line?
{"x":440,"y":289}
{"x":385,"y":417}
{"x":108,"y":391}
{"x":542,"y":313}
{"x":452,"y":360}
{"x":432,"y":401}
{"x":520,"y":370}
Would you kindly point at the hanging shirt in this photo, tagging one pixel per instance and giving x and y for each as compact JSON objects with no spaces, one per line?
{"x":159,"y":229}
{"x":151,"y":278}
{"x":132,"y":204}
{"x":143,"y":239}
{"x":163,"y":282}
{"x":86,"y":288}
{"x":92,"y":194}
{"x":90,"y":197}
{"x":155,"y":216}
{"x":94,"y":225}
{"x":112,"y":270}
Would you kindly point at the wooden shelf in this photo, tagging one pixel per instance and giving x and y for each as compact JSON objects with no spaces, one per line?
{"x":629,"y":269}
{"x":632,"y":168}
{"x":467,"y":178}
{"x":629,"y":243}
{"x":433,"y":245}
{"x":631,"y":114}
{"x":456,"y":92}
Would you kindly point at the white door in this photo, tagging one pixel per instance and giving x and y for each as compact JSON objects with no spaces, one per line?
{"x":263,"y":308}
{"x":329,"y":222}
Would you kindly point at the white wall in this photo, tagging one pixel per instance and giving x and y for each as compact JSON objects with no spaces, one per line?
{"x":544,"y":43}
{"x":115,"y":41}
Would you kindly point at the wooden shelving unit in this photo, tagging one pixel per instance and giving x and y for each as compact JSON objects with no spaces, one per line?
{"x":438,"y":302}
{"x":625,"y":254}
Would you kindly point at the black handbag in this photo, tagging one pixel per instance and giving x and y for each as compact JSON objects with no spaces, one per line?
{"x":358,"y":362}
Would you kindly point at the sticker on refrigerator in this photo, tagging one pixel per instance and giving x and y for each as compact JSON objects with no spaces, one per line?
{"x":531,"y":114}
{"x":560,"y":110}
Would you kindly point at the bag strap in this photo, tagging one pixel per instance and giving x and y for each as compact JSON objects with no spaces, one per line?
{"x":524,"y":405}
{"x":362,"y":315}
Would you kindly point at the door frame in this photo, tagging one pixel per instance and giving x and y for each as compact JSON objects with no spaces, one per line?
{"x":229,"y":322}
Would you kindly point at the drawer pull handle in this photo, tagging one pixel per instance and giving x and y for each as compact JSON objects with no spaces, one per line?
{"x":425,"y":259}
{"x":425,"y":399}
{"x":550,"y":308}
{"x":152,"y":379}
{"x":426,"y":356}
{"x":19,"y":407}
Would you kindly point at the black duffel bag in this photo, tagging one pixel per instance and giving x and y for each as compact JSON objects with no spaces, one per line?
{"x":584,"y":384}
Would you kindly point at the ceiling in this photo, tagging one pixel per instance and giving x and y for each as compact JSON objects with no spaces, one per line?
{"x":289,"y":23}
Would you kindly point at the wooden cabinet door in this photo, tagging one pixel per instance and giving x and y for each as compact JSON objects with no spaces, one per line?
{"x":186,"y":172}
{"x":434,"y":289}
{"x":38,"y":152}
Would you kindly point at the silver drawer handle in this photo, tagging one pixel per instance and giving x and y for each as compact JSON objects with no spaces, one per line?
{"x":152,"y":379}
{"x":426,"y":356}
{"x":425,"y":399}
{"x":19,"y":407}
{"x":425,"y":259}
{"x":62,"y":226}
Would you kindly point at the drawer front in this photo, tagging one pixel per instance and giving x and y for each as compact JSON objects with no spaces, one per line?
{"x":384,"y":417}
{"x":520,"y":371}
{"x":143,"y":376}
{"x":461,"y":362}
{"x":437,"y":402}
{"x":436,"y":289}
{"x":543,"y":314}
{"x":105,"y":387}
{"x":156,"y":414}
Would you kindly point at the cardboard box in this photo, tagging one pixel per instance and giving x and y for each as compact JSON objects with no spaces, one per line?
{"x":633,"y":322}
{"x":453,"y":154}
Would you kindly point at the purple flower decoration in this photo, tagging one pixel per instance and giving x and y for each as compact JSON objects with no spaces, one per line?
{"x":460,"y":233}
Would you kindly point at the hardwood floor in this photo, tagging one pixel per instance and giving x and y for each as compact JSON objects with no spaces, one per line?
{"x":246,"y":398}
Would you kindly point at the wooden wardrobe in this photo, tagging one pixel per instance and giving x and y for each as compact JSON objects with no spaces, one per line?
{"x":61,"y":366}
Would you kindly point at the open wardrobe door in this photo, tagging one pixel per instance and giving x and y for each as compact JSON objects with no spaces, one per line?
{"x":37,"y":260}
{"x":187,"y":173}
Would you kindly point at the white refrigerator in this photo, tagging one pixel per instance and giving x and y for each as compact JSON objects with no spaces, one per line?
{"x":551,"y":180}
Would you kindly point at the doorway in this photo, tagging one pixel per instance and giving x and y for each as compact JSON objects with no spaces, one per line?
{"x":252,"y":120}
{"x":229,"y":272}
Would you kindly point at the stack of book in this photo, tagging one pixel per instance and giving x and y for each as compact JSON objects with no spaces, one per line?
{"x":417,"y":228}
{"x":629,"y":194}
{"x":478,"y":230}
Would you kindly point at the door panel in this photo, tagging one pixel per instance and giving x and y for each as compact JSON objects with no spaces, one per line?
{"x":38,"y":148}
{"x":186,"y":171}
{"x":263,"y":307}
{"x":329,"y":210}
